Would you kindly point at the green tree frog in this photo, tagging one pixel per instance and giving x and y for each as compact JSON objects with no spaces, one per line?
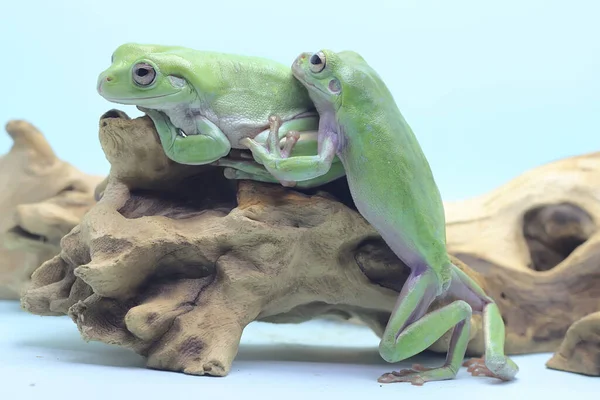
{"x":394,"y":189}
{"x":202,"y":103}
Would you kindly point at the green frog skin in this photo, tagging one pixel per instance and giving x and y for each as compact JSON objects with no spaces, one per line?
{"x":202,"y":103}
{"x":393,"y":188}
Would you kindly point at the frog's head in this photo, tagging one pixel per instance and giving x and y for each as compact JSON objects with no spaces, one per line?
{"x":143,"y":75}
{"x":331,"y":77}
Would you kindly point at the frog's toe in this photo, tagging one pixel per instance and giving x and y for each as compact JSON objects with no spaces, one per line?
{"x":497,"y":367}
{"x":417,"y":375}
{"x":404,"y":375}
{"x":291,"y":138}
{"x":472,"y":361}
{"x":230,"y":173}
{"x":289,"y":184}
{"x":274,"y":121}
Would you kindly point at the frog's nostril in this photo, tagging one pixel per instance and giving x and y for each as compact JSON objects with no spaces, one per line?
{"x":109,"y":78}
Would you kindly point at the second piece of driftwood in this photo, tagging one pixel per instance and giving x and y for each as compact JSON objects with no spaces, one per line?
{"x":544,"y":226}
{"x":580,"y":351}
{"x":41,"y":199}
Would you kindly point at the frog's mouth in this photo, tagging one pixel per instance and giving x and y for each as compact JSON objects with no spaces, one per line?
{"x":299,"y":73}
{"x":135,"y":100}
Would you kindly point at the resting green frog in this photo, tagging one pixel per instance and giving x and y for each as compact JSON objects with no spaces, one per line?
{"x":203,"y":103}
{"x":393,"y":188}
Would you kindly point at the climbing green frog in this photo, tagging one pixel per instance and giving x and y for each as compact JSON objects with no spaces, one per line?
{"x":202,"y":103}
{"x":394,"y":189}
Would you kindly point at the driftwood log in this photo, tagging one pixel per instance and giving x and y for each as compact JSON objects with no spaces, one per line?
{"x":580,"y":351}
{"x":174,"y":261}
{"x":544,"y":226}
{"x":41,"y":199}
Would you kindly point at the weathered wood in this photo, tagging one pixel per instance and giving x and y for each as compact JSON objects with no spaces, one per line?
{"x":536,"y":241}
{"x":174,"y":260}
{"x":41,"y":199}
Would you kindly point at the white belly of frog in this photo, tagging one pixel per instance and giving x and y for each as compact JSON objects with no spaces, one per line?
{"x":186,"y":118}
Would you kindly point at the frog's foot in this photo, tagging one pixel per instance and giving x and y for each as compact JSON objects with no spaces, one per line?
{"x":271,"y":149}
{"x":418,"y":375}
{"x":291,"y":138}
{"x":271,"y":153}
{"x":504,"y":369}
{"x":273,"y":142}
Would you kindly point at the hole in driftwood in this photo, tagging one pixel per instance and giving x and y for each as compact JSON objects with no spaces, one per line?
{"x":554,"y":231}
{"x":377,"y":261}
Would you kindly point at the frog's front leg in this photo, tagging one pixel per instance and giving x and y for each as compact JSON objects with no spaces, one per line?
{"x":204,"y":148}
{"x":410,"y":331}
{"x":295,"y":168}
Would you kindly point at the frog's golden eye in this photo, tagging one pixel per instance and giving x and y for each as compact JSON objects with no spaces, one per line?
{"x":317,"y":62}
{"x":143,"y":74}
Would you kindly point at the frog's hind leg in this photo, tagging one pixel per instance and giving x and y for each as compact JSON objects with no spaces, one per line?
{"x":494,"y":363}
{"x":240,"y":174}
{"x":411,"y":330}
{"x":249,"y":170}
{"x":245,"y":169}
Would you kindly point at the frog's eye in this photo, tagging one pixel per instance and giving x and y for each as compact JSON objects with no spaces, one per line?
{"x":143,"y":74}
{"x":317,"y":62}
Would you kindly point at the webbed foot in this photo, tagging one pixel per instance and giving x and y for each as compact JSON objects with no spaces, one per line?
{"x":504,"y":369}
{"x":291,"y":138}
{"x":271,"y":153}
{"x":418,"y":375}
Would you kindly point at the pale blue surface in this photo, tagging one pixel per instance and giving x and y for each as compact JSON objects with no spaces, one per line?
{"x":491,"y":90}
{"x":45,"y":358}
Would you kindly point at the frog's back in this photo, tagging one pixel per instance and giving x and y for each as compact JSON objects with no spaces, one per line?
{"x":263,"y":86}
{"x":391,"y":176}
